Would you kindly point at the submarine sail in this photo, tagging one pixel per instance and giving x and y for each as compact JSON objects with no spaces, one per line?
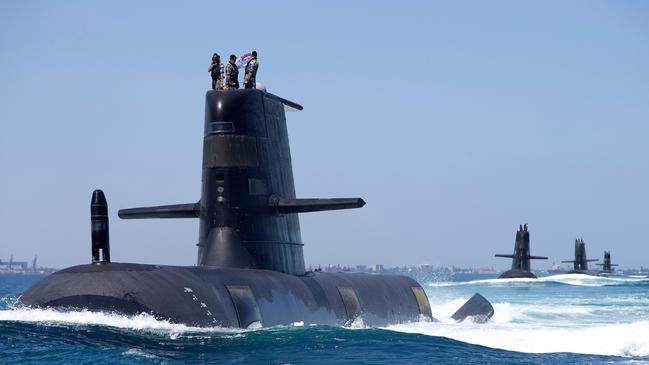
{"x":521,"y":265}
{"x":580,"y":263}
{"x":607,"y":266}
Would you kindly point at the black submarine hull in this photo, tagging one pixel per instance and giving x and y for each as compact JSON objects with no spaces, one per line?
{"x":245,"y":298}
{"x":583,"y":272}
{"x":517,"y":274}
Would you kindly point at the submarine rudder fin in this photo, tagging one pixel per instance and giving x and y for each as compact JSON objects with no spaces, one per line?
{"x":477,"y":307}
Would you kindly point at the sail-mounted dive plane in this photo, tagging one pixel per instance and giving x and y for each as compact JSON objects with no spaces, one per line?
{"x":250,"y":270}
{"x":521,"y":267}
{"x":580,"y":263}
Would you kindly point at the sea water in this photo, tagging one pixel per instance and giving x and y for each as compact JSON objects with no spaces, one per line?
{"x":561,"y":319}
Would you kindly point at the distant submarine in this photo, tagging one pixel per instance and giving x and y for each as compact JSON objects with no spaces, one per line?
{"x":580,"y":263}
{"x":250,"y":271}
{"x":607,"y":266}
{"x":521,"y":257}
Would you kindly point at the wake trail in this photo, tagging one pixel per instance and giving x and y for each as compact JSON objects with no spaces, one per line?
{"x":568,"y":279}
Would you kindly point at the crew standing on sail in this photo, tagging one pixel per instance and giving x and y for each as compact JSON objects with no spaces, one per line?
{"x":251,"y":72}
{"x":232,"y":73}
{"x":216,"y":71}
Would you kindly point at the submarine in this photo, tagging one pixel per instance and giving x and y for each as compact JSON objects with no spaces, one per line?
{"x":580,"y":263}
{"x":521,"y":257}
{"x":607,"y":266}
{"x":250,"y":269}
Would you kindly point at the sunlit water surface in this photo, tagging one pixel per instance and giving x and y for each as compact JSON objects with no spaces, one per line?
{"x":562,"y":319}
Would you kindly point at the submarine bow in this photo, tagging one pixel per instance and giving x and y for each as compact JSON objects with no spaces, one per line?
{"x":250,"y":267}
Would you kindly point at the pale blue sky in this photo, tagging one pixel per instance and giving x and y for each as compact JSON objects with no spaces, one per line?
{"x":455,"y":121}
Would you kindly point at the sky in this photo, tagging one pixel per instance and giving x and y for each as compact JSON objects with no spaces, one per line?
{"x":456,"y":121}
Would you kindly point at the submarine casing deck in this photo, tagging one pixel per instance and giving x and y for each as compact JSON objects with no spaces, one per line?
{"x":207,"y":297}
{"x":517,"y":274}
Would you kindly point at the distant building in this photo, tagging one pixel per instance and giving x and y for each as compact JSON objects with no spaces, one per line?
{"x":23,"y":267}
{"x":14,"y":265}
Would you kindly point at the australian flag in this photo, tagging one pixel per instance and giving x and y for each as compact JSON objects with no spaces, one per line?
{"x":243,"y":60}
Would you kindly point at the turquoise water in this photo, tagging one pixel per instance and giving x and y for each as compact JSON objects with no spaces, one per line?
{"x":563,"y":319}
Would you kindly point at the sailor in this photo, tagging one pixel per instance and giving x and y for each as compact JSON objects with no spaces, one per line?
{"x":232,"y":73}
{"x":251,"y":72}
{"x":216,"y":71}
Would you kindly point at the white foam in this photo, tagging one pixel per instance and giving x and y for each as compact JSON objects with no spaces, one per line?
{"x":357,"y":323}
{"x":625,"y":339}
{"x":138,"y":353}
{"x":589,"y":280}
{"x":585,"y":325}
{"x":503,"y":312}
{"x":141,"y":322}
{"x":570,"y":279}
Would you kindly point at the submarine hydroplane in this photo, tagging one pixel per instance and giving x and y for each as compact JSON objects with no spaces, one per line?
{"x":250,"y":269}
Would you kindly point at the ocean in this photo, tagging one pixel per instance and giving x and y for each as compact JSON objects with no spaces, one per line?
{"x":561,"y":319}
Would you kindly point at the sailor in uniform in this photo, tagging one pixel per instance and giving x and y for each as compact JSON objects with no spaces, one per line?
{"x":251,"y":72}
{"x":216,"y":71}
{"x":232,"y":73}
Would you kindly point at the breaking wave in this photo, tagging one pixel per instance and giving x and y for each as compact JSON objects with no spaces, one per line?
{"x":565,"y":279}
{"x":628,"y":339}
{"x":139,"y":323}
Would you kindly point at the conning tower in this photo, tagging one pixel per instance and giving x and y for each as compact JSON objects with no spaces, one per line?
{"x":607,"y":266}
{"x":521,"y":267}
{"x":580,"y":263}
{"x":248,"y":194}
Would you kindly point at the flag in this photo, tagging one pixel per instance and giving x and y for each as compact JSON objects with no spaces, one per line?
{"x":243,"y":60}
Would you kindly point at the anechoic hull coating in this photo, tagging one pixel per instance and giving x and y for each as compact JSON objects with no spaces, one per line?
{"x":515,"y":274}
{"x":207,"y":297}
{"x":583,"y":272}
